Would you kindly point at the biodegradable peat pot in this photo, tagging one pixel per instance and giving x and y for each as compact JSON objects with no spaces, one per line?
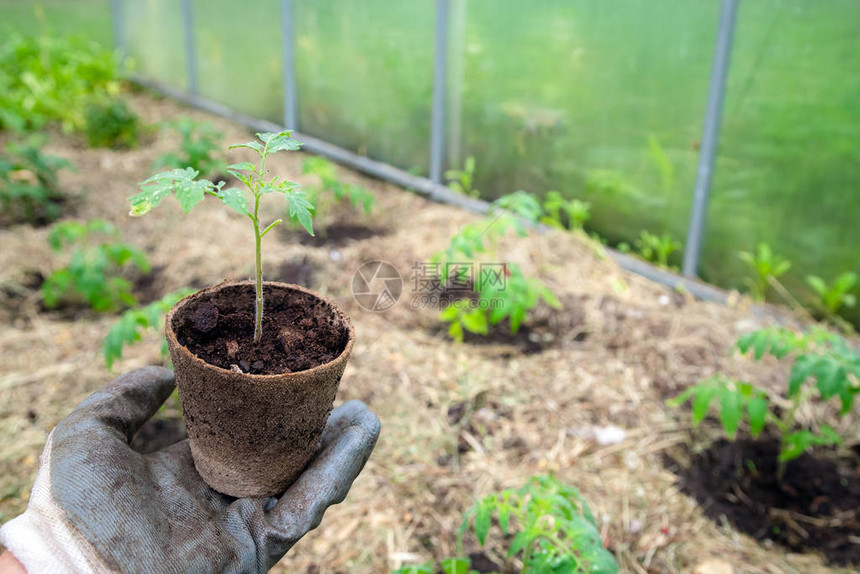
{"x":253,"y":434}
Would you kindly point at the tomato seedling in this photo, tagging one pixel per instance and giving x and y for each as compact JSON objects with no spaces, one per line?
{"x":190,"y":190}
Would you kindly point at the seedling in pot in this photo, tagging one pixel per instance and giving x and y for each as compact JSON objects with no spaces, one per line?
{"x":190,"y":190}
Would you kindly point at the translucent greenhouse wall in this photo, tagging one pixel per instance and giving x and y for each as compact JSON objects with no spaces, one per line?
{"x":788,"y":170}
{"x":602,"y":101}
{"x":586,"y":99}
{"x":89,"y":17}
{"x":240,"y":61}
{"x":154,"y":38}
{"x":364,"y":73}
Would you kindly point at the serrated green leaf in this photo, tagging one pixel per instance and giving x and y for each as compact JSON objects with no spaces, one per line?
{"x":801,"y":370}
{"x":817,"y":284}
{"x":456,"y":565}
{"x":300,"y":209}
{"x":475,"y":322}
{"x":448,"y":314}
{"x":704,"y":394}
{"x":730,"y":411}
{"x":482,"y":521}
{"x":521,"y":539}
{"x":830,"y":378}
{"x":796,"y":443}
{"x":234,"y":199}
{"x":455,"y":331}
{"x":256,"y":146}
{"x":504,"y":517}
{"x":757,"y":408}
{"x":241,"y":166}
{"x":282,"y":141}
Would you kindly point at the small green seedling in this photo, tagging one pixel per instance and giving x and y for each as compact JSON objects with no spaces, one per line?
{"x":819,"y":356}
{"x":198,"y":148}
{"x":331,"y":190}
{"x":29,"y":183}
{"x":504,"y":292}
{"x":765,"y":266}
{"x":133,"y":323}
{"x":190,"y":191}
{"x":557,"y":209}
{"x":552,"y":526}
{"x":834,"y":296}
{"x":656,"y":248}
{"x":94,"y":267}
{"x":462,"y":181}
{"x":111,"y":124}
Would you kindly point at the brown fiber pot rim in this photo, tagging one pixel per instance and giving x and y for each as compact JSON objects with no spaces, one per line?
{"x":276,"y":378}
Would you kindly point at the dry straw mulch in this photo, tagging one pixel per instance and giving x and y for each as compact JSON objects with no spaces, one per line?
{"x":459,"y":421}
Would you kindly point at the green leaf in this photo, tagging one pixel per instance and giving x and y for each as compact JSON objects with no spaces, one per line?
{"x":475,"y":322}
{"x":482,"y":520}
{"x":282,"y":141}
{"x":757,"y":407}
{"x":817,"y":284}
{"x":234,"y":199}
{"x":456,"y":565}
{"x":233,"y":168}
{"x":831,"y":378}
{"x":455,"y":331}
{"x":702,"y":401}
{"x":300,"y":209}
{"x":730,"y":411}
{"x":448,"y":314}
{"x":519,"y":542}
{"x":182,"y":182}
{"x":256,"y":146}
{"x":796,"y":443}
{"x":801,"y":370}
{"x":504,"y":517}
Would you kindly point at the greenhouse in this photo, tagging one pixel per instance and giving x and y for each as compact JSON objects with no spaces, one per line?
{"x":433,"y":286}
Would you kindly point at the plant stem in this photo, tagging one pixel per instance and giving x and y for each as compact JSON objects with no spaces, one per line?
{"x":258,"y":324}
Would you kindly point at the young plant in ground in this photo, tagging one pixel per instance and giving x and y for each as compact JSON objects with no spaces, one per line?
{"x":190,"y":191}
{"x":765,"y":266}
{"x":45,"y":78}
{"x":557,"y":208}
{"x":133,"y":323}
{"x":29,"y":185}
{"x":834,"y":296}
{"x":198,"y":148}
{"x":462,"y":181}
{"x":111,"y":124}
{"x":553,"y":528}
{"x":503,"y":291}
{"x":93,"y":270}
{"x":656,"y":248}
{"x":331,"y":190}
{"x":825,"y":365}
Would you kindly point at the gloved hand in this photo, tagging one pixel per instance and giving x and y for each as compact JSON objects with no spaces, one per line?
{"x":97,"y":505}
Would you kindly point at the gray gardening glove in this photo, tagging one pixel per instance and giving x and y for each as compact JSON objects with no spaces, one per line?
{"x":97,"y":505}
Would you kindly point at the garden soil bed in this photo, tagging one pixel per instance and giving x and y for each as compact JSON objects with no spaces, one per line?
{"x":459,"y":420}
{"x":814,"y":508}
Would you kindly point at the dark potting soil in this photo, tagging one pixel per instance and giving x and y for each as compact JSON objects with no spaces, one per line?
{"x":816,"y":507}
{"x":299,"y":332}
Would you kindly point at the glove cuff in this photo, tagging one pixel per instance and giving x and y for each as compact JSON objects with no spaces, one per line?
{"x":42,"y":539}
